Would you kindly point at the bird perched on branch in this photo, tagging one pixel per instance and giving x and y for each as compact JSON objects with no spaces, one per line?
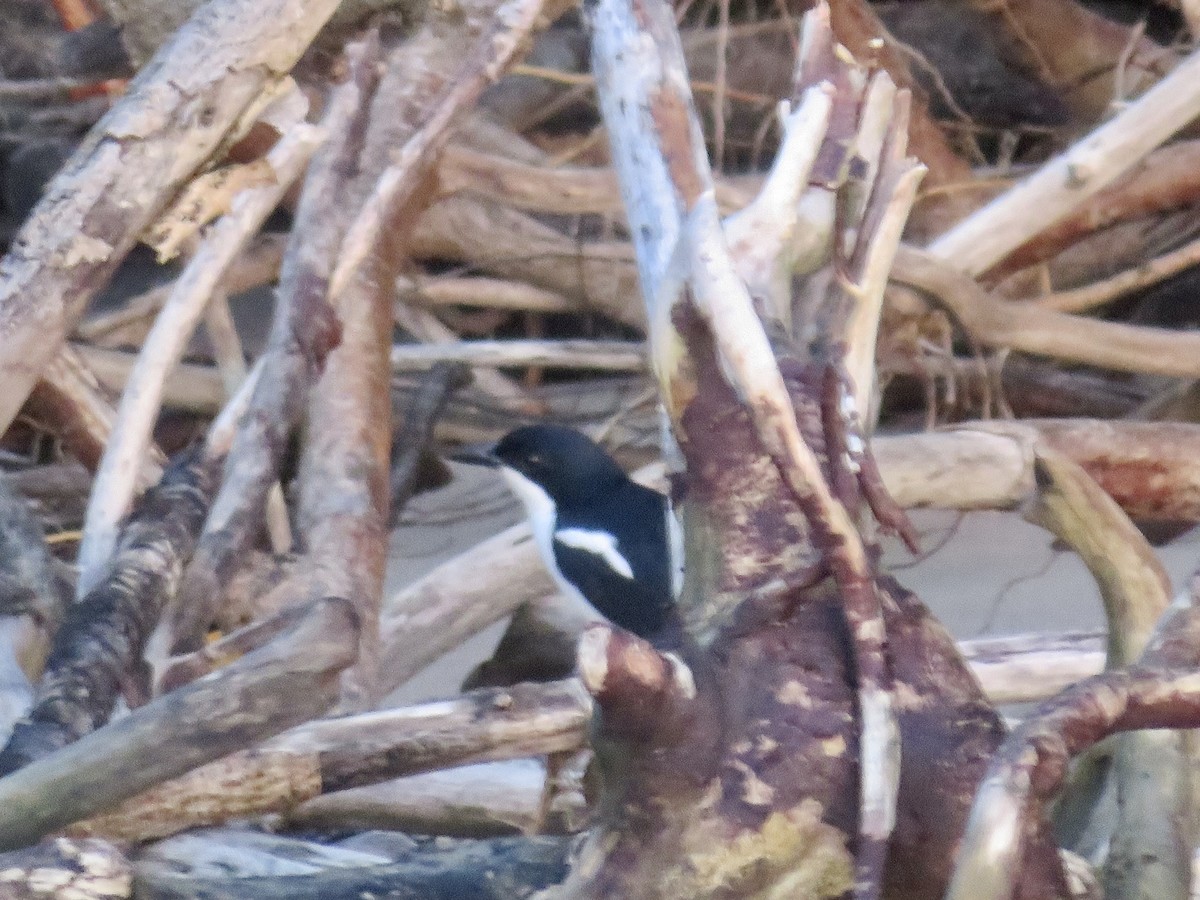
{"x":602,"y":535}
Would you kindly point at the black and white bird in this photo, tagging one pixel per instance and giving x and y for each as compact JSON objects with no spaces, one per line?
{"x":602,"y":535}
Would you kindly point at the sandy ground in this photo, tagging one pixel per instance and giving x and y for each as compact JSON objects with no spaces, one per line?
{"x":983,"y":573}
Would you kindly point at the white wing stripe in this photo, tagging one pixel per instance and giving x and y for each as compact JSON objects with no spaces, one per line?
{"x":600,"y":543}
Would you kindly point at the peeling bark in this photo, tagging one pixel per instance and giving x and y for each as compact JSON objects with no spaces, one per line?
{"x":175,"y":115}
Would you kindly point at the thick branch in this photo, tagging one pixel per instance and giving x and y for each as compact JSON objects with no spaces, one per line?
{"x":303,"y":332}
{"x":1029,"y":768}
{"x":285,"y":683}
{"x":335,"y":754}
{"x":97,"y":648}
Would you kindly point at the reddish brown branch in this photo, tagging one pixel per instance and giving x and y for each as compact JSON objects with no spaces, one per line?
{"x":642,"y":693}
{"x":303,"y":333}
{"x":1031,"y":767}
{"x":1166,"y":180}
{"x":342,"y":507}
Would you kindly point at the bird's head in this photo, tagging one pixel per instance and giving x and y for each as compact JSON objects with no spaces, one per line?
{"x":564,"y":463}
{"x":561,"y":462}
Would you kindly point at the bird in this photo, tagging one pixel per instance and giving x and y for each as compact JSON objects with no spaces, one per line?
{"x":603,"y":536}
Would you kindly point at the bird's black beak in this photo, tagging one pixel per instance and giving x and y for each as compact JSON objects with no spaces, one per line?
{"x":476,"y":455}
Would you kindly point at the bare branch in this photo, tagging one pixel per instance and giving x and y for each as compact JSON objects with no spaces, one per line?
{"x":303,"y":332}
{"x":285,"y":683}
{"x":1034,"y":329}
{"x":131,"y":165}
{"x":96,"y":650}
{"x":115,"y":485}
{"x":987,"y":236}
{"x":337,"y":754}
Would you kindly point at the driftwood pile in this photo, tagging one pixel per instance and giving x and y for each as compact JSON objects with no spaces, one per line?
{"x":808,"y":223}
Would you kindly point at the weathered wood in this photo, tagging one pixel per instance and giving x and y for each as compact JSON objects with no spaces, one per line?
{"x":99,"y":646}
{"x":496,"y":239}
{"x":244,"y":851}
{"x":240,"y":786}
{"x":523,"y":720}
{"x":1164,"y":181}
{"x":191,"y":387}
{"x":336,"y":754}
{"x":983,"y":239}
{"x":470,"y":801}
{"x":1133,"y":584}
{"x":176,"y":113}
{"x":342,"y":491}
{"x":485,"y":725}
{"x":115,"y":487}
{"x":303,"y":332}
{"x":287,"y":682}
{"x":1046,"y":332}
{"x":1150,"y":469}
{"x":80,"y":869}
{"x":411,"y":442}
{"x":763,"y":425}
{"x":1161,"y":691}
{"x":459,"y":598}
{"x":600,"y":356}
{"x":1030,"y":667}
{"x":498,"y":869}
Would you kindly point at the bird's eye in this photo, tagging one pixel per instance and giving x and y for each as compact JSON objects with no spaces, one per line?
{"x":535,"y":460}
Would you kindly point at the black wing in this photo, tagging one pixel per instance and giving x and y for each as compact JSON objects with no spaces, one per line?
{"x":636,"y":519}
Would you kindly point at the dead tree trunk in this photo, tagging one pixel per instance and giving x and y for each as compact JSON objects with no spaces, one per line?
{"x":768,"y":758}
